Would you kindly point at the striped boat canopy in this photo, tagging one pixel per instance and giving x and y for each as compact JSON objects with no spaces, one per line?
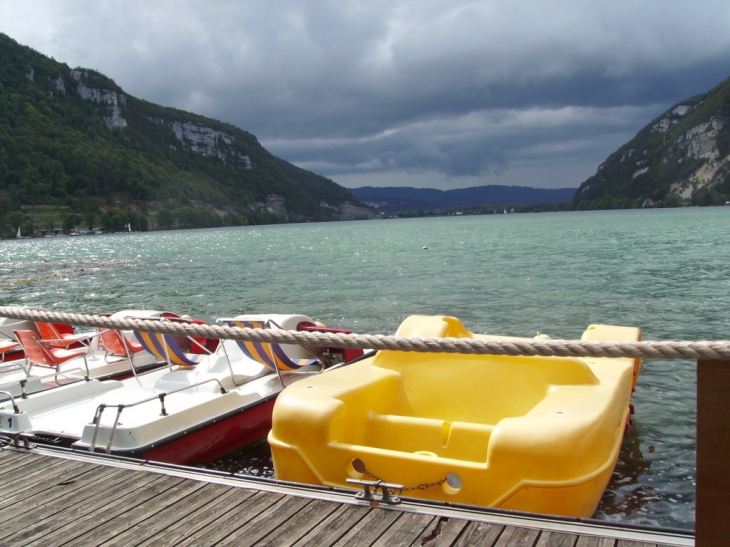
{"x":164,"y":347}
{"x":268,"y":354}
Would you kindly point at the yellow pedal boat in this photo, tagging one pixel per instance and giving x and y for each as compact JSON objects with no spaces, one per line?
{"x":537,"y":434}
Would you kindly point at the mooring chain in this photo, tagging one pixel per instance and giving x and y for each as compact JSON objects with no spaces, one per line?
{"x":536,"y":347}
{"x":399,"y":491}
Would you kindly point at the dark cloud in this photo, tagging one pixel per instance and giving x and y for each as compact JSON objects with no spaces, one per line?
{"x":448,"y":92}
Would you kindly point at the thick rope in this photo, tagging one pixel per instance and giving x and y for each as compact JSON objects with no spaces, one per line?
{"x":548,"y":348}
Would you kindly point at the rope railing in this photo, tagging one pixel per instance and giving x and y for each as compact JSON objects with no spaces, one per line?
{"x":718,"y":349}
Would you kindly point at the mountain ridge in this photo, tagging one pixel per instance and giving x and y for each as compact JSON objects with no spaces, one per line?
{"x":682,"y":157}
{"x":74,"y":138}
{"x":392,"y":199}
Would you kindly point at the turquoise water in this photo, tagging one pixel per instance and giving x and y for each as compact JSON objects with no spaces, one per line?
{"x":662,"y":270}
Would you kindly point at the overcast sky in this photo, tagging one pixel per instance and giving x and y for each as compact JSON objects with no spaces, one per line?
{"x":426,"y":93}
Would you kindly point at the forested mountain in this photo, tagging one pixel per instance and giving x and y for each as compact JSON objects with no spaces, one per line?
{"x":680,"y":158}
{"x":73,"y":138}
{"x":399,"y":198}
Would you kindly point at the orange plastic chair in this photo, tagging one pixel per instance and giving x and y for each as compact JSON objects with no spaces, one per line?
{"x":7,"y":346}
{"x":116,"y":344}
{"x":39,"y":354}
{"x":52,"y":337}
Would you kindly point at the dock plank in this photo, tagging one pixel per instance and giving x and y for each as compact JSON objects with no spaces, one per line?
{"x":267,"y":521}
{"x":367,"y":531}
{"x":480,"y":534}
{"x":64,"y":494}
{"x":332,"y":528}
{"x":81,"y":520}
{"x":517,"y":537}
{"x":57,"y":501}
{"x":25,"y":486}
{"x":405,"y":529}
{"x":166,"y":519}
{"x":50,"y":519}
{"x":9,"y":456}
{"x":191,"y":523}
{"x":443,"y":533}
{"x":556,"y":539}
{"x":131,"y":518}
{"x":299,"y":523}
{"x":234,"y":522}
{"x":26,"y":467}
{"x":595,"y":541}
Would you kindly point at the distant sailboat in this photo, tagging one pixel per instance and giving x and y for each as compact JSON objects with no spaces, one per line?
{"x":17,"y":235}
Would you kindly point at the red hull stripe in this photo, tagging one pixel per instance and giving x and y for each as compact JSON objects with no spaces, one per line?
{"x":216,"y":440}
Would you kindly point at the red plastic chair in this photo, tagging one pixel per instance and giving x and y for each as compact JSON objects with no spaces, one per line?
{"x":39,"y":354}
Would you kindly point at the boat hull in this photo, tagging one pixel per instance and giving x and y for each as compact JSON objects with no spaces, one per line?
{"x":215,"y":439}
{"x":532,"y":434}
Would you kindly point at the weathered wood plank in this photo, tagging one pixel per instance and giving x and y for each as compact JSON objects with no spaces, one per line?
{"x":556,"y":539}
{"x":369,"y":529}
{"x":517,"y":537}
{"x":266,"y":522}
{"x":64,"y":519}
{"x":409,"y":528}
{"x":332,"y":528}
{"x":479,"y":533}
{"x":443,"y":533}
{"x":80,"y":520}
{"x":234,"y":523}
{"x":26,"y":485}
{"x":593,"y":541}
{"x":7,"y":456}
{"x":62,"y":494}
{"x":189,"y":525}
{"x":18,"y":466}
{"x":165,"y":520}
{"x":299,"y":524}
{"x":53,"y":501}
{"x":134,"y":515}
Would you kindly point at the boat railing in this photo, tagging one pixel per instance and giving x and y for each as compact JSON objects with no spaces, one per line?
{"x":23,"y":382}
{"x":16,"y":408}
{"x":9,"y":366}
{"x":121,"y":406}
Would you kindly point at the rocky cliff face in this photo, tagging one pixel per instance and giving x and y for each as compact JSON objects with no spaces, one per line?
{"x":73,"y":136}
{"x":112,"y":99}
{"x":685,"y":152}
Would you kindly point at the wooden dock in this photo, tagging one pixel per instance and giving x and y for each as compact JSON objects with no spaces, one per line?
{"x":49,"y":498}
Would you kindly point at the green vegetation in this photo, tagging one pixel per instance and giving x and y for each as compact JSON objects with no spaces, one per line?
{"x":74,"y":139}
{"x":677,"y":159}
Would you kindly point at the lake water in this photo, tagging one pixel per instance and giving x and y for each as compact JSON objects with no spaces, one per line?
{"x":662,"y":270}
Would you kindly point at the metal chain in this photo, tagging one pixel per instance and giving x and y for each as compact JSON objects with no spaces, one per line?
{"x":423,"y":486}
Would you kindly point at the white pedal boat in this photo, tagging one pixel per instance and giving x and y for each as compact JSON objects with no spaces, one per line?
{"x":179,"y":414}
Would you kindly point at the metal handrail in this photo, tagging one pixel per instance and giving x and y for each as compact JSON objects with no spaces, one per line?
{"x":24,"y":381}
{"x":121,"y":406}
{"x":16,"y":408}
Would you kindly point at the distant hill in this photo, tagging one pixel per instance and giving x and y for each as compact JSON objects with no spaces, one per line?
{"x":400,"y":198}
{"x":680,"y":158}
{"x":74,"y":138}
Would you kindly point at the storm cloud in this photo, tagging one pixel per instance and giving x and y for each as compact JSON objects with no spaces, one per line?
{"x":424,"y":93}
